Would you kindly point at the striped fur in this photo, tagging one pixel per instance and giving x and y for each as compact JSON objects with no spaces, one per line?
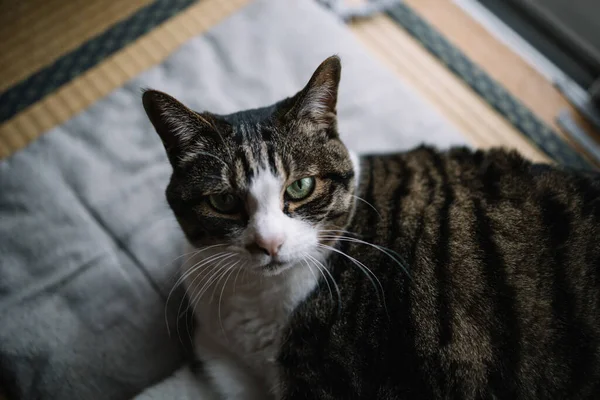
{"x":502,"y":295}
{"x":461,"y":274}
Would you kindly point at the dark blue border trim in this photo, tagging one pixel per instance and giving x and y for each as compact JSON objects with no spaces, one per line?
{"x":491,"y":91}
{"x":63,"y":70}
{"x":69,"y":66}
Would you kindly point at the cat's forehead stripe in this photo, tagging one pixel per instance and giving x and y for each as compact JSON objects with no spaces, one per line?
{"x":248,"y":153}
{"x":241,"y":128}
{"x":254,"y":154}
{"x":279,"y":165}
{"x":240,"y":173}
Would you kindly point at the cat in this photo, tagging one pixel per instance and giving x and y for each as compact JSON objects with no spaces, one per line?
{"x":423,"y":274}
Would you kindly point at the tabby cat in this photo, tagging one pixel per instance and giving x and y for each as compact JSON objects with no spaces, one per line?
{"x":418,"y":275}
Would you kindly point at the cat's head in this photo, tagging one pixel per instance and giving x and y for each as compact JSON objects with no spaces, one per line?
{"x":271,"y":185}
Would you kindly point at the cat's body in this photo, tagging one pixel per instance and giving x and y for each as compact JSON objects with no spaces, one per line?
{"x":502,"y":295}
{"x":418,"y":275}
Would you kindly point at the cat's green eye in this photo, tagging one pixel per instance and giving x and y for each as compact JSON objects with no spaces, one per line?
{"x":224,"y":203}
{"x":301,"y":189}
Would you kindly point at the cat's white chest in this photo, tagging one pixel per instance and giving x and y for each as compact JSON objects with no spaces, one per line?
{"x":241,"y":320}
{"x":246,"y":317}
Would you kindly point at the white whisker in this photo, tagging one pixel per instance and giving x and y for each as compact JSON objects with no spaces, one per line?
{"x":369,"y":204}
{"x":230,"y":270}
{"x":310,"y":269}
{"x":181,"y":279}
{"x":195,"y":299}
{"x":338,"y":230}
{"x":208,"y":279}
{"x":204,"y":264}
{"x":388,"y":252}
{"x":368,"y":273}
{"x":337,"y":289}
{"x":213,"y":156}
{"x":238,"y":274}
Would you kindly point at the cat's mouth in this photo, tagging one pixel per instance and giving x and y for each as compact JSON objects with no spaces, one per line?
{"x":273,"y":267}
{"x":274,"y":264}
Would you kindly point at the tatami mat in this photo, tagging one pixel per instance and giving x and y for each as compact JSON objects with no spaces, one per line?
{"x":500,"y":62}
{"x":461,"y":86}
{"x":35,"y":33}
{"x":113,"y":72}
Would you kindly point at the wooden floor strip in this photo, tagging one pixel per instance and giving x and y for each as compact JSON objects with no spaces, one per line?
{"x":35,"y":33}
{"x":481,"y":124}
{"x":112,"y":73}
{"x":501,"y":63}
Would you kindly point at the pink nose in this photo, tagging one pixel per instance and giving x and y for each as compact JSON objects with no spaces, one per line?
{"x":270,"y":245}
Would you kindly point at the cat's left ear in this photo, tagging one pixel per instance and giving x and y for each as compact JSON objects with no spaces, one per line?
{"x":317,"y":101}
{"x":178,"y":127}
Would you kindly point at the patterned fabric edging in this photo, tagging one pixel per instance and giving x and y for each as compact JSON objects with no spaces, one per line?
{"x":48,"y":79}
{"x":491,"y":91}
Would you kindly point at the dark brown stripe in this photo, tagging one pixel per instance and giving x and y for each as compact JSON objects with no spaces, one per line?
{"x":342,"y":178}
{"x":571,"y":346}
{"x":248,"y":170}
{"x":442,"y":253}
{"x":506,"y":332}
{"x":271,"y":159}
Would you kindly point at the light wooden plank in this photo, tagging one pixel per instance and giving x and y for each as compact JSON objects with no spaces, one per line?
{"x":40,"y":32}
{"x":501,"y":63}
{"x":480,"y":124}
{"x":100,"y":80}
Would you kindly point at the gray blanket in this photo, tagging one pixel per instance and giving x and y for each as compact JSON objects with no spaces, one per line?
{"x":88,"y":246}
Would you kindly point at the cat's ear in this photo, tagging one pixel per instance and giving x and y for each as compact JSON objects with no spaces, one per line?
{"x":318,"y":100}
{"x":177,"y":125}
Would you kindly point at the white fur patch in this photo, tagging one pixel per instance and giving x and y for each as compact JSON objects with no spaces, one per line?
{"x":268,"y":221}
{"x":356,"y":166}
{"x":316,"y":102}
{"x":242,"y":314}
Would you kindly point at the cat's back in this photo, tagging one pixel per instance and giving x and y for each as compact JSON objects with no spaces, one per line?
{"x":512,"y":260}
{"x":487,"y":203}
{"x":491,"y":282}
{"x":489,"y":196}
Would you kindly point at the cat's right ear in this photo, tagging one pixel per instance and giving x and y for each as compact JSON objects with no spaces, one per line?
{"x":177,"y":125}
{"x":317,"y":101}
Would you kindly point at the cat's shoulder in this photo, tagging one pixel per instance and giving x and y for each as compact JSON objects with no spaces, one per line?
{"x":498,"y":172}
{"x":501,"y":161}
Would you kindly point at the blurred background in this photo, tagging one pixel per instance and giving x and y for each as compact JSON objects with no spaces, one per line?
{"x":545,"y":54}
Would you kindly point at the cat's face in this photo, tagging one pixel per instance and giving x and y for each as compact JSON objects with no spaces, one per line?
{"x":268,"y":184}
